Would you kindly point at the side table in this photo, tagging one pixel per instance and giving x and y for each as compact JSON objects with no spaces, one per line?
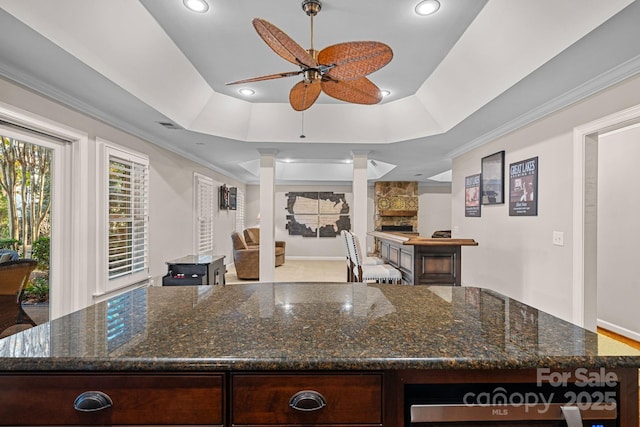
{"x":195,"y":270}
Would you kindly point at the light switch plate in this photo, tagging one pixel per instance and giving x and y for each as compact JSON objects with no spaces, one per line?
{"x":558,"y":238}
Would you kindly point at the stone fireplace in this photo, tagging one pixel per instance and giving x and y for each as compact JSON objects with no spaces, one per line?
{"x":396,"y":206}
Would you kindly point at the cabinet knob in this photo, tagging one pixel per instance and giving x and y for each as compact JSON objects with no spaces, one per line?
{"x":307,"y":401}
{"x":92,"y":401}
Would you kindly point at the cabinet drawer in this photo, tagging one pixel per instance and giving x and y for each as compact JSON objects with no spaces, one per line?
{"x":265,"y":399}
{"x":137,"y":399}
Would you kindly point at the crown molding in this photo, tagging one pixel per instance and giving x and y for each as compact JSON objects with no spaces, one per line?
{"x":603,"y":81}
{"x":65,"y":99}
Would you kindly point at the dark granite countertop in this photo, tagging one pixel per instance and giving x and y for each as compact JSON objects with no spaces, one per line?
{"x":306,"y":326}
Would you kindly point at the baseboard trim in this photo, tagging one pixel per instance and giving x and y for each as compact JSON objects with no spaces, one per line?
{"x":619,"y":330}
{"x":316,"y":258}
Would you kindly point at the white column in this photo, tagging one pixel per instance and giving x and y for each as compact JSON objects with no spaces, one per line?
{"x":359,"y":219}
{"x":267,"y":210}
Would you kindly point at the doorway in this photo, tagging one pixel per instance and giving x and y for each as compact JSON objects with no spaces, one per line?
{"x":585,"y":212}
{"x":25,"y":215}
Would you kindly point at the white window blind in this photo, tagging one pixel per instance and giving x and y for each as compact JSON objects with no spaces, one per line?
{"x":128,"y":212}
{"x":240,"y":211}
{"x":205,"y":203}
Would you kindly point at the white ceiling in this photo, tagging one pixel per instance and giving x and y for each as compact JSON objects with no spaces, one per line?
{"x":475,"y":70}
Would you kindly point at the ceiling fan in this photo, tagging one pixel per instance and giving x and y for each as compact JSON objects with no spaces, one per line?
{"x":338,"y":70}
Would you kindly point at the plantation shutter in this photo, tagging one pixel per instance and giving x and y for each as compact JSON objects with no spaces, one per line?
{"x":128,"y":203}
{"x":205,"y":199}
{"x":240,"y":211}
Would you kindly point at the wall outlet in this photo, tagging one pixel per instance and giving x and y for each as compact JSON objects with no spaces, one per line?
{"x":456,"y":229}
{"x":558,"y":238}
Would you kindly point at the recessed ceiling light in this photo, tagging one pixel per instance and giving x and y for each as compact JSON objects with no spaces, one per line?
{"x":200,"y":6}
{"x":385,"y":93}
{"x":427,"y":7}
{"x":246,"y":91}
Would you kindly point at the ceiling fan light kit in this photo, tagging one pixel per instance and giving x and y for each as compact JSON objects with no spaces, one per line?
{"x":338,"y":70}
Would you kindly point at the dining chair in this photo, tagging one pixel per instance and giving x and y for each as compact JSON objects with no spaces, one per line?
{"x":14,"y":276}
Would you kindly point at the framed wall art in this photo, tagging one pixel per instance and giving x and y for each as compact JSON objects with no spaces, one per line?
{"x":523,"y":188}
{"x":317,"y":214}
{"x":472,"y":196}
{"x":492,"y":182}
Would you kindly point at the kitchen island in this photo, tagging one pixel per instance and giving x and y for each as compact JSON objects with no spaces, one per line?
{"x":305,"y":354}
{"x":423,"y":260}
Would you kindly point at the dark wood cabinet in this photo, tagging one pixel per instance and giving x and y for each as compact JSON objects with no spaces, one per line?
{"x":147,"y":399}
{"x":219,"y":399}
{"x":195,"y":270}
{"x":305,"y":399}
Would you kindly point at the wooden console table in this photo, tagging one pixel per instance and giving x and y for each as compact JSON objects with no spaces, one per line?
{"x":195,"y":270}
{"x":421,"y":260}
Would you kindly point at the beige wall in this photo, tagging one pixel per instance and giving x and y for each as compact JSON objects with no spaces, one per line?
{"x":515,"y":255}
{"x":435,"y":209}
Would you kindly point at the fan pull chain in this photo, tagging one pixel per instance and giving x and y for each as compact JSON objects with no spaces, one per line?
{"x":302,"y":135}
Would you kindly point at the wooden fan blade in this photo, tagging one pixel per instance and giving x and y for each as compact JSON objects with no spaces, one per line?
{"x":357,"y":91}
{"x":304,"y":94}
{"x":268,"y":77}
{"x":353,"y":60}
{"x":283,"y":45}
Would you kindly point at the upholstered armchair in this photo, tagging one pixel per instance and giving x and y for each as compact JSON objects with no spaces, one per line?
{"x":252,"y":238}
{"x":245,"y":259}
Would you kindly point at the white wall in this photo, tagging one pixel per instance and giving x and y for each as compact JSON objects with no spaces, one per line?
{"x":515,"y":255}
{"x":170,"y":185}
{"x":434,"y":209}
{"x":618,"y":231}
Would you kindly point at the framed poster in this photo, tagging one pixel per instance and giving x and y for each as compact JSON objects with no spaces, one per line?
{"x":492,"y":182}
{"x":472,"y":196}
{"x":523,"y":188}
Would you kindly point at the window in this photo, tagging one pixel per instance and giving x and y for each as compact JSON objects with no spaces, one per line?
{"x":240,"y":211}
{"x":204,"y":207}
{"x":128,"y":214}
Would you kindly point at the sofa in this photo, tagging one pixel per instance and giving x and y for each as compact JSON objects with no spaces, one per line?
{"x":252,"y":238}
{"x":247,"y":258}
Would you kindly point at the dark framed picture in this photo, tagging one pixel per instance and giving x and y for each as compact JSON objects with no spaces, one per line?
{"x":224,"y":197}
{"x":233,"y":198}
{"x":492,"y":183}
{"x":472,"y":196}
{"x":523,"y":188}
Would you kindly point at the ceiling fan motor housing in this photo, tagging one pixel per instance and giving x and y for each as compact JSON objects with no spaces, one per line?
{"x":311,"y":7}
